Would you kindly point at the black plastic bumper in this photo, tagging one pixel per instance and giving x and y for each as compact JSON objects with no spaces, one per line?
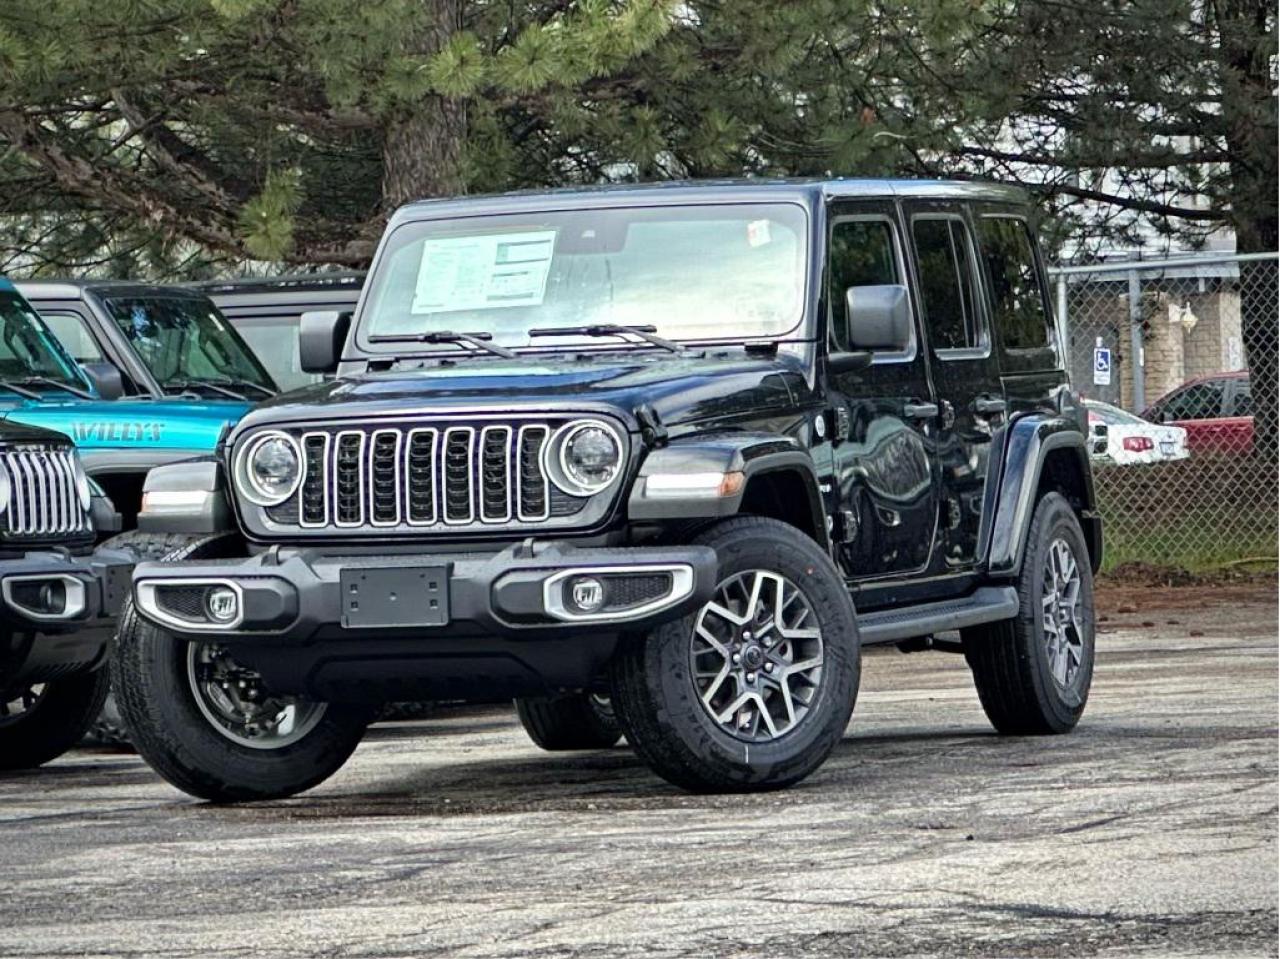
{"x":522,"y":592}
{"x":57,"y":612}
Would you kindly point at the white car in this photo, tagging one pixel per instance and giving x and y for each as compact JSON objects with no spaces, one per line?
{"x":1118,"y":438}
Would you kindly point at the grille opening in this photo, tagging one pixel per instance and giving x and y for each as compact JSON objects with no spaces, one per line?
{"x":44,"y":500}
{"x":457,"y":475}
{"x":348,"y":487}
{"x":420,"y":471}
{"x":315,"y":495}
{"x":384,"y":472}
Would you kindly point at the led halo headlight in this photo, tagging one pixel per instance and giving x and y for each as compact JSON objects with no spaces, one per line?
{"x":585,"y":457}
{"x":270,"y":469}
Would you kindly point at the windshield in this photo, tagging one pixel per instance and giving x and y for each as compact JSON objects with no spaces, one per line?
{"x":29,"y":349}
{"x":709,"y":272}
{"x":184,"y":340}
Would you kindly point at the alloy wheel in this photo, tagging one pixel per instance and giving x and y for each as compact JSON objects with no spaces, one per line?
{"x":1061,"y":612}
{"x":234,"y":701}
{"x":18,"y":706}
{"x":756,"y":655}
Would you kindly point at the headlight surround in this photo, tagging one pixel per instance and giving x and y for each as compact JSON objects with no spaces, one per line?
{"x":83,"y":490}
{"x":586,"y":457}
{"x":270,"y":469}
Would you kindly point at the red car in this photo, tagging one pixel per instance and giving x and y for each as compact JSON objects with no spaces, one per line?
{"x":1216,"y":411}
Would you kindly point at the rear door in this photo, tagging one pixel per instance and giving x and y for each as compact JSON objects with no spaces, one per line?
{"x":966,"y":375}
{"x":884,"y":415}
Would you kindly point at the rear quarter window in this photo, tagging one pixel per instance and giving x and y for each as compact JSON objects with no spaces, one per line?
{"x":1019,"y":306}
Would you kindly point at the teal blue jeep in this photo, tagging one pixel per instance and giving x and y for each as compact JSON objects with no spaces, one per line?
{"x":137,"y":376}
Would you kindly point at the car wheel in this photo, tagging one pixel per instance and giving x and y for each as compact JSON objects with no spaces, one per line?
{"x":563,"y":723}
{"x":753,"y":690}
{"x":41,"y":722}
{"x":210,"y":727}
{"x":1033,"y":672}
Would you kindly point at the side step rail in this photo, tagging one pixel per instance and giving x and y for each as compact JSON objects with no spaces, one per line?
{"x":988,"y":604}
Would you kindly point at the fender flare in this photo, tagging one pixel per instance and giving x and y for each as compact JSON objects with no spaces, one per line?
{"x":718,"y":470}
{"x":1027,"y":443}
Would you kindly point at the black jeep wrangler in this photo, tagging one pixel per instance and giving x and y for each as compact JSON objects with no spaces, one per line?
{"x":57,"y":596}
{"x":680,"y":451}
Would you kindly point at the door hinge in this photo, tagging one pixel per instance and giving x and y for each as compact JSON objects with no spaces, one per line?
{"x":651,"y":428}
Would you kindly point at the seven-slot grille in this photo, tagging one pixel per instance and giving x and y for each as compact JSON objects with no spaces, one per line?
{"x":443,"y":476}
{"x":43,"y":500}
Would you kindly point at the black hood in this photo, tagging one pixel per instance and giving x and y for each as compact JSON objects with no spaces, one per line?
{"x":679,"y":389}
{"x":12,"y":434}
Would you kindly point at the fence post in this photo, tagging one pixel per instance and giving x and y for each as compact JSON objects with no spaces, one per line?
{"x":1136,"y":358}
{"x":1064,"y":344}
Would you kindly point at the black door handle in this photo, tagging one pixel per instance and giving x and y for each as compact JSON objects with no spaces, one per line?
{"x":989,"y":405}
{"x":914,"y":410}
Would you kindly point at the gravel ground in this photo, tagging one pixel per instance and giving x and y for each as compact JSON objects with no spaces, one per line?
{"x":1149,"y":831}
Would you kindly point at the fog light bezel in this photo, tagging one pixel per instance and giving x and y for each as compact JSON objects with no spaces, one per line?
{"x":75,"y":596}
{"x":554,"y":588}
{"x":147,"y":600}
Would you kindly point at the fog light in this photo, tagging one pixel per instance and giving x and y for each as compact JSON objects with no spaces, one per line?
{"x":222,"y":604}
{"x":586,"y":593}
{"x":53,"y":598}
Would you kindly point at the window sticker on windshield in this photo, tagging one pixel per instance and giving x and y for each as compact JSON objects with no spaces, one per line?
{"x":483,"y":272}
{"x":758,"y":233}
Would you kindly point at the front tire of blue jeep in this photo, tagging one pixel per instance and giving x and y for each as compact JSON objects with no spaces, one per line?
{"x":754,"y":690}
{"x":1033,"y":672}
{"x":208,"y":727}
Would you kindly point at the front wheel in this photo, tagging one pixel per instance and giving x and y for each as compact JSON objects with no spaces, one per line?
{"x":210,"y":727}
{"x":755,"y":689}
{"x":1033,"y":672}
{"x":41,"y":722}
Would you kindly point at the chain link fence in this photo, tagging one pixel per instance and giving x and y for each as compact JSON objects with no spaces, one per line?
{"x":1177,"y":362}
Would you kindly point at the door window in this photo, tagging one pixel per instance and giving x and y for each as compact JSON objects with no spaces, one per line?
{"x":1017,"y":297}
{"x":1244,"y":399}
{"x":948,"y":285}
{"x":75,"y":337}
{"x":863,"y":252}
{"x":1200,"y":401}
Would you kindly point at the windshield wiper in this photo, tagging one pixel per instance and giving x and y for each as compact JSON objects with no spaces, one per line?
{"x":478,"y":340}
{"x":16,"y":387}
{"x":49,"y":381}
{"x":189,"y":386}
{"x":645,"y":333}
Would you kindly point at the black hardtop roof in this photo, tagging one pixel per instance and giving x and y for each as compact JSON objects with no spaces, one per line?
{"x":808,"y":191}
{"x":74,"y":289}
{"x":325,"y":280}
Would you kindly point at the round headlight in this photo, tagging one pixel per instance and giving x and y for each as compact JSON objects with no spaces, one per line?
{"x":272,"y":469}
{"x":590,"y":457}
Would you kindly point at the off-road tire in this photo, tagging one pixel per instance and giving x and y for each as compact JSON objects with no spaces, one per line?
{"x":149,"y":673}
{"x":55,"y":723}
{"x":657,"y":702}
{"x":1009,"y":660}
{"x":564,"y":723}
{"x":108,"y":728}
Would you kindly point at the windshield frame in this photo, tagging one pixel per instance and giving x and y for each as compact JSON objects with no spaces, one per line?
{"x":160,"y":387}
{"x":77,"y":379}
{"x":370,"y":346}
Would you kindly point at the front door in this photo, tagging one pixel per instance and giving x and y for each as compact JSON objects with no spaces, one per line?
{"x":883,"y":416}
{"x":965,"y":371}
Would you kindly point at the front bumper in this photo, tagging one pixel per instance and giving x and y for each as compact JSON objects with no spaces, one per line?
{"x":56,"y":613}
{"x":55,"y":591}
{"x":531,"y":591}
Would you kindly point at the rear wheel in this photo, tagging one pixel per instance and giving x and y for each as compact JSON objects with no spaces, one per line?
{"x":41,"y":722}
{"x":211,"y":727}
{"x":577,"y":721}
{"x":1033,"y":672}
{"x":755,"y":689}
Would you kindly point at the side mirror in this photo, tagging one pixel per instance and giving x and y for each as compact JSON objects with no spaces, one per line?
{"x":879,"y":318}
{"x":106,"y":379}
{"x":321,"y":335}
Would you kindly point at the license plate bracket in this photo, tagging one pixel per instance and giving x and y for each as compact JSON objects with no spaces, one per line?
{"x":379,"y":597}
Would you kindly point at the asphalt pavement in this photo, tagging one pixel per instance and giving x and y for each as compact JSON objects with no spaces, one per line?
{"x":1149,"y":831}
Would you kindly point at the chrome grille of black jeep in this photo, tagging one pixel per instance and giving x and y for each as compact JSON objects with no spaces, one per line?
{"x":426,"y":476}
{"x":43,"y":500}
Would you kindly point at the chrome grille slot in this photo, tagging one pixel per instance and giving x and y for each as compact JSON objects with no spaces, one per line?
{"x":404,"y":476}
{"x":495,"y":474}
{"x":43,"y":499}
{"x":348,"y":478}
{"x":314,"y":510}
{"x":420,"y":472}
{"x":459,"y":443}
{"x":384,"y":478}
